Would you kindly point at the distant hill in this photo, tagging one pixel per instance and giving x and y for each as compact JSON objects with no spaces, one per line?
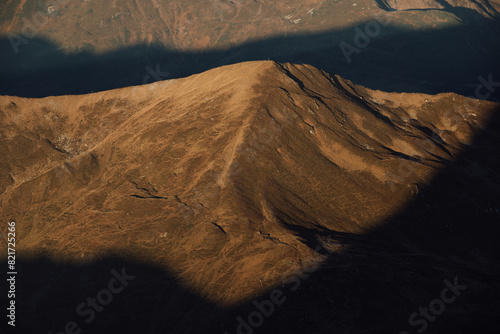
{"x":85,"y":46}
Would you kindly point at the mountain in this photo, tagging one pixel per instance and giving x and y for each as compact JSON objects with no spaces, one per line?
{"x":250,"y":166}
{"x":215,"y":189}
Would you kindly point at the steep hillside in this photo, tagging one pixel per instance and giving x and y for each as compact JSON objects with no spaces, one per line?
{"x":213,"y":177}
{"x":182,"y":25}
{"x":197,"y":25}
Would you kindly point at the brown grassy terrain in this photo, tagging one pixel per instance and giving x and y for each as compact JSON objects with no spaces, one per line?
{"x":194,"y":25}
{"x":219,"y":179}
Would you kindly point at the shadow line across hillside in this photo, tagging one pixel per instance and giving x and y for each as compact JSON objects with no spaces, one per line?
{"x":449,"y":232}
{"x":392,"y":58}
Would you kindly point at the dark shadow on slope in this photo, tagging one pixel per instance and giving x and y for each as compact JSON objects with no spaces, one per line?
{"x":385,"y":5}
{"x":464,"y":14}
{"x":373,"y":285}
{"x":429,"y":61}
{"x":112,"y":295}
{"x":450,"y":233}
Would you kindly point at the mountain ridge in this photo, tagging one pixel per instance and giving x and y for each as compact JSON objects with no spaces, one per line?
{"x":213,"y":171}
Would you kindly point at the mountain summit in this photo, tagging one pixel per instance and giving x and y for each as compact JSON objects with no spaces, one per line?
{"x":226,"y":179}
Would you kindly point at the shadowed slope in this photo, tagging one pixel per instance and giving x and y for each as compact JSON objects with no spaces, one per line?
{"x":392,"y":59}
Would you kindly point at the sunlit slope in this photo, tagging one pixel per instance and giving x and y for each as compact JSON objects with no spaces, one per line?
{"x":209,"y":176}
